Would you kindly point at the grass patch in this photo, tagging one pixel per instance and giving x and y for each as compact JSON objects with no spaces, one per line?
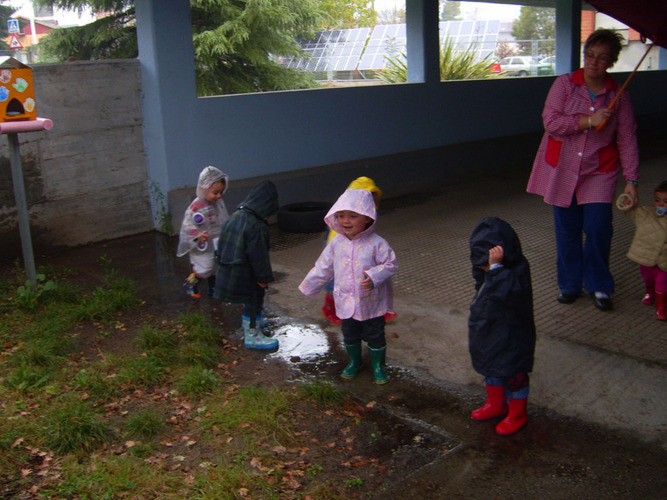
{"x":167,"y":418}
{"x":146,"y":370}
{"x":198,"y":381}
{"x":145,"y":424}
{"x":75,"y":426}
{"x":322,"y":393}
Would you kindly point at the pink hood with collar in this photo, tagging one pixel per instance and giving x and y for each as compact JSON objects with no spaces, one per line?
{"x":355,"y":200}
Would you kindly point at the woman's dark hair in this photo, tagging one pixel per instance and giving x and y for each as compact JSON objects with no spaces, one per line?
{"x":662,"y":187}
{"x":610,"y":38}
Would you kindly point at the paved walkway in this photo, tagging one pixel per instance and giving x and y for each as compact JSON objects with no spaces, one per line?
{"x":605,"y":367}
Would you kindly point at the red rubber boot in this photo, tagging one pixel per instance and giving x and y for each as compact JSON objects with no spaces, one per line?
{"x":516,"y":418}
{"x":495,"y":404}
{"x":649,"y":296}
{"x":661,"y":306}
{"x":329,"y":310}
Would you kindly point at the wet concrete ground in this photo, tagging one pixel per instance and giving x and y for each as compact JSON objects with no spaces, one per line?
{"x":554,"y":457}
{"x":597,"y":411}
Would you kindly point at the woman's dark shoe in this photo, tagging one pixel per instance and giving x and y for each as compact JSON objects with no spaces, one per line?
{"x":602,"y":301}
{"x":567,"y":298}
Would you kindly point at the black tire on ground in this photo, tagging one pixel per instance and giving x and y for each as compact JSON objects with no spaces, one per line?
{"x":304,"y":217}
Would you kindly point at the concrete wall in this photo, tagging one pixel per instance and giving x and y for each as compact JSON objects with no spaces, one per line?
{"x":85,"y":178}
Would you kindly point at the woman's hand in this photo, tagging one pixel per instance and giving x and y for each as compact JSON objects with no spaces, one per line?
{"x":203,"y":236}
{"x":631,"y":189}
{"x":601,"y":115}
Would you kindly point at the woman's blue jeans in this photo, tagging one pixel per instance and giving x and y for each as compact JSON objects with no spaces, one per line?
{"x":587,"y":261}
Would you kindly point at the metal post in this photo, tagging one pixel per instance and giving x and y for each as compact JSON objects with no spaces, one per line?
{"x":21,"y":207}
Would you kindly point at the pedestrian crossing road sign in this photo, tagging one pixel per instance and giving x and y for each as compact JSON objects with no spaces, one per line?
{"x":13,"y":25}
{"x":14,"y":43}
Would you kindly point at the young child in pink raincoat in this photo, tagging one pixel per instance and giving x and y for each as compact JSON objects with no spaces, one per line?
{"x":362,"y":264}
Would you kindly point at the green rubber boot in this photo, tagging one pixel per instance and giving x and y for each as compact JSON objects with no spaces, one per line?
{"x":354,"y":352}
{"x":377,"y":362}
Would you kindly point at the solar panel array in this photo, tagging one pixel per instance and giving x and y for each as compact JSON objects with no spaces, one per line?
{"x":368,"y":48}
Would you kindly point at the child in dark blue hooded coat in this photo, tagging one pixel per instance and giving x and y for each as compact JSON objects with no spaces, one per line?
{"x":501,"y":327}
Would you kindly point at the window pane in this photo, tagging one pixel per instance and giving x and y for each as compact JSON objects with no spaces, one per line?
{"x":489,"y":35}
{"x":332,"y":44}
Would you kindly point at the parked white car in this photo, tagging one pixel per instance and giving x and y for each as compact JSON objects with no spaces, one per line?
{"x":547,"y":66}
{"x":519,"y":66}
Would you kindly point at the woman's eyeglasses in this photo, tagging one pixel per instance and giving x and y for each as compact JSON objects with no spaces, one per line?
{"x":603,"y":58}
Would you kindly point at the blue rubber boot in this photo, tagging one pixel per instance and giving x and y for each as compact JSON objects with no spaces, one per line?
{"x":377,"y":362}
{"x":262,"y":321}
{"x":354,"y":352}
{"x":254,"y":337}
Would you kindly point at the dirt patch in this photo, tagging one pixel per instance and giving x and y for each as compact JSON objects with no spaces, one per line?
{"x":409,"y":439}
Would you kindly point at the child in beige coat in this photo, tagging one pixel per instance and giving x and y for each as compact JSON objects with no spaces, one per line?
{"x":649,"y":245}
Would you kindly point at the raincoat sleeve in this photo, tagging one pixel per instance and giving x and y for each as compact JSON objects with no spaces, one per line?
{"x":257,"y":248}
{"x":507,"y":299}
{"x":387,"y":264}
{"x":320,"y":275}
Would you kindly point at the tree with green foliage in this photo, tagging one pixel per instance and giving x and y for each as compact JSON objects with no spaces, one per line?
{"x":455,"y":64}
{"x":347,"y":14}
{"x":451,"y":11}
{"x":237,"y":43}
{"x":6,"y":12}
{"x":535,"y":23}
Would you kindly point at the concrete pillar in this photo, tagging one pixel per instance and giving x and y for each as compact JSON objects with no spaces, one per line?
{"x":423,"y":40}
{"x":168,"y":89}
{"x":568,"y":36}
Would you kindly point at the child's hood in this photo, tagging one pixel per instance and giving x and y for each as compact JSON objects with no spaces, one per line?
{"x":207,"y":177}
{"x":489,"y":233}
{"x":262,"y":199}
{"x":355,"y":200}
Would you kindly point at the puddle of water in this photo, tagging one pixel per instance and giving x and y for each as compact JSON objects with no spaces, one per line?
{"x":300,"y":342}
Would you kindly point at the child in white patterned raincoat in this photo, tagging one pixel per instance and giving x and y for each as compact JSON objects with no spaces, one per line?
{"x":200,"y":229}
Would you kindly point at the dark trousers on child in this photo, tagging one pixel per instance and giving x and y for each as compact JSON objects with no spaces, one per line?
{"x":370,"y":330}
{"x":254,"y":308}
